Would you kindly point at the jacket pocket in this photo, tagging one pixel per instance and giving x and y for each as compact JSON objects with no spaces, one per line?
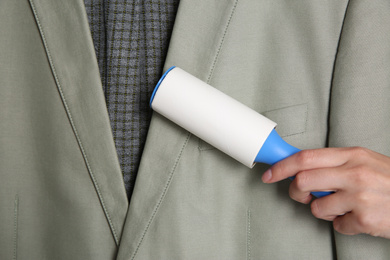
{"x":291,"y":120}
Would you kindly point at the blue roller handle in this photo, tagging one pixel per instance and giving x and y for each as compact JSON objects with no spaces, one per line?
{"x":276,"y":149}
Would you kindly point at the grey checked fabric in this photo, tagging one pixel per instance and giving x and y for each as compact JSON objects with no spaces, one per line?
{"x":131,"y":39}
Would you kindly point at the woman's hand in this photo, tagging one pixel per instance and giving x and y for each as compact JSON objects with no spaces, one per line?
{"x":359,"y":177}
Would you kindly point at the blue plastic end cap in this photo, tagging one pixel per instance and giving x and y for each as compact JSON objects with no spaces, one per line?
{"x":275,"y":149}
{"x":159,"y":83}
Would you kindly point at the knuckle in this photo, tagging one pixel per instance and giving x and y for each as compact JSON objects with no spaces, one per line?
{"x":315,"y":210}
{"x":301,"y":181}
{"x":305,"y":156}
{"x":363,"y":198}
{"x":294,"y":194}
{"x":344,"y":227}
{"x":340,"y":226}
{"x":337,"y":225}
{"x":361,"y":174}
{"x":291,"y":193}
{"x":365,"y":221}
{"x":301,"y":198}
{"x":360,"y":152}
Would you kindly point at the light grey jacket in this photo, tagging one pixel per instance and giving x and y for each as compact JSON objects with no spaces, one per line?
{"x":320,"y":69}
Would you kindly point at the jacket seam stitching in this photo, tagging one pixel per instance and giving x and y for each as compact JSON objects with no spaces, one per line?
{"x":162,"y":196}
{"x":222,"y":42}
{"x":248,"y":234}
{"x":306,"y":119}
{"x":16,"y":219}
{"x":72,"y":122}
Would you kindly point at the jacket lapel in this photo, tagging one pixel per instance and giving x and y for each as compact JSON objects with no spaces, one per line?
{"x":197,"y":53}
{"x":65,"y":33}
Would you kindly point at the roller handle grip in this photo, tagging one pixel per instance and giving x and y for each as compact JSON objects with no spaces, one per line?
{"x":276,"y":149}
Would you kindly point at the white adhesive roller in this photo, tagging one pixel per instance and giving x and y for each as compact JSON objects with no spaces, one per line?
{"x":211,"y":115}
{"x":220,"y":120}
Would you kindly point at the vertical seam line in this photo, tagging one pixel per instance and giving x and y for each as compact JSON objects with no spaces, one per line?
{"x":248,"y":235}
{"x":222,"y":41}
{"x":73,"y":125}
{"x":162,"y":196}
{"x":16,"y":217}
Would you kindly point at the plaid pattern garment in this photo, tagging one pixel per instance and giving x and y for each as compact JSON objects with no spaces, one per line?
{"x":131,"y":40}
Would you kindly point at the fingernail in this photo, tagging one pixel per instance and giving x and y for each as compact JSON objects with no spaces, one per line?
{"x":267,"y":176}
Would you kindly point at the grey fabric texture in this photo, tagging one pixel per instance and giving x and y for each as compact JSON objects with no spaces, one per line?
{"x":131,"y":40}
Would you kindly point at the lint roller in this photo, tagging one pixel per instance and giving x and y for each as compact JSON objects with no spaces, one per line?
{"x":219,"y":120}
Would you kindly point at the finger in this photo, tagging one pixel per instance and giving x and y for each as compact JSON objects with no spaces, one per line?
{"x":324,"y":179}
{"x":347,"y":224}
{"x":306,"y":160}
{"x":331,"y":206}
{"x":302,"y":197}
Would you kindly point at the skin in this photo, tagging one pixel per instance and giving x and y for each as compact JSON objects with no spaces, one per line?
{"x":359,"y":177}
